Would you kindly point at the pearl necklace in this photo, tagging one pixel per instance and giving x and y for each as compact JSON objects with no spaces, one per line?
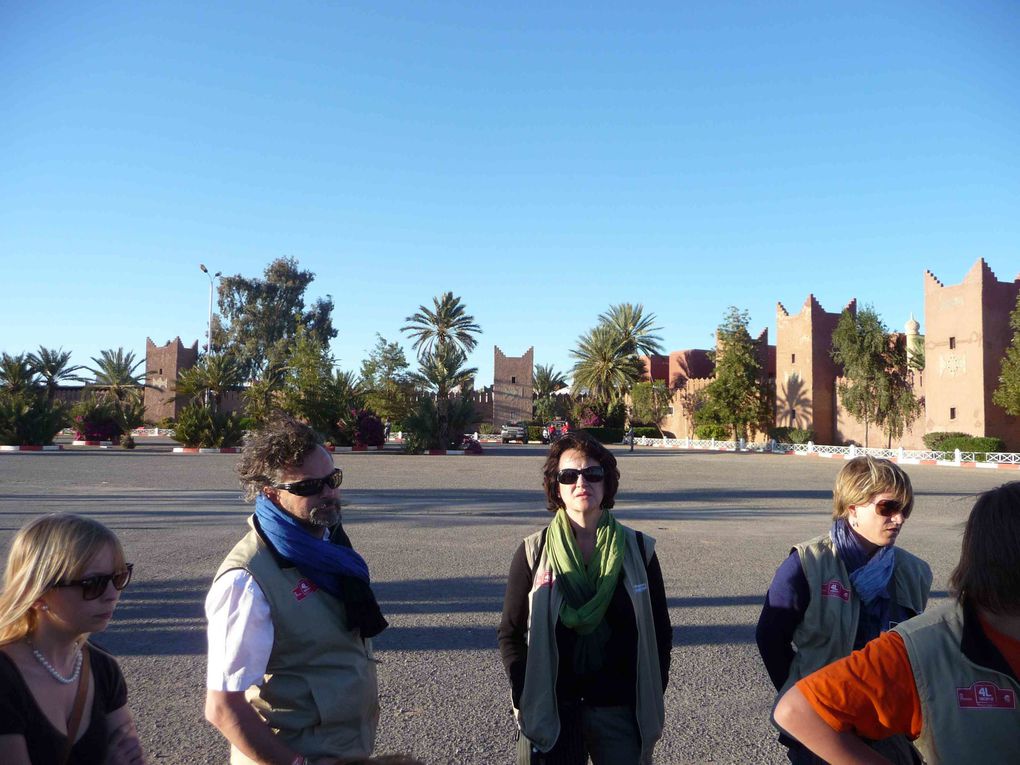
{"x":52,"y":670}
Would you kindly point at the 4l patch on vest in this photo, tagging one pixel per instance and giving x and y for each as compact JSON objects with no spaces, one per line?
{"x":835,"y":589}
{"x":304,"y":588}
{"x":985,"y":695}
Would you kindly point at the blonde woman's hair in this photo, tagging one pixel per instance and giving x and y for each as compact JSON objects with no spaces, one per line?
{"x":864,"y":477}
{"x":49,"y":549}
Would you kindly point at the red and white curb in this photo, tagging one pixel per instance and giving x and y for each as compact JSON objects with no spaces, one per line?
{"x":206,"y":450}
{"x":31,"y":448}
{"x":101,"y":444}
{"x":937,"y":463}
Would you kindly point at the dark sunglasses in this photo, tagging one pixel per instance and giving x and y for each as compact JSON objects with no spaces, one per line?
{"x":887,"y":508}
{"x":312,"y":486}
{"x":94,"y":586}
{"x":592,"y":474}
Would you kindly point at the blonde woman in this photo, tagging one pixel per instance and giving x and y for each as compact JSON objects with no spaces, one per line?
{"x":838,"y":591}
{"x":62,"y":700}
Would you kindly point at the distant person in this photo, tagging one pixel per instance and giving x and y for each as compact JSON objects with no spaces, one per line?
{"x":62,"y":699}
{"x":585,"y":635}
{"x":837,"y":591}
{"x":947,"y":679}
{"x":292,"y":676}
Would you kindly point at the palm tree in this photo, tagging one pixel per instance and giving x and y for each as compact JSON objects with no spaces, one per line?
{"x":214,"y":375}
{"x":605,"y":369}
{"x":441,"y":336}
{"x":54,"y":368}
{"x":441,"y":372}
{"x":634,"y":328}
{"x":16,"y":373}
{"x":116,"y":373}
{"x":547,"y":380}
{"x":447,"y":324}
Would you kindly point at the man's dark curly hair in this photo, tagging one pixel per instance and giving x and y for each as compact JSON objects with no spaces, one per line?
{"x":280,"y":444}
{"x":589,"y":447}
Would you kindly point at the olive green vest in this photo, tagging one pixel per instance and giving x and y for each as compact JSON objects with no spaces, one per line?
{"x":319,"y":693}
{"x":970,"y":713}
{"x":829,"y":626}
{"x":538,"y":715}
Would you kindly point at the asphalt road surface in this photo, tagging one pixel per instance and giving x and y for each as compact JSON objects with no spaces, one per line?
{"x":438,"y":533}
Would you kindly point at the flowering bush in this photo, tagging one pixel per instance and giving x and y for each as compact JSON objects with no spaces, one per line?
{"x":96,"y":419}
{"x":369,"y":430}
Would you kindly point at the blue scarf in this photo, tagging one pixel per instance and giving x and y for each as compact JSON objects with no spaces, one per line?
{"x":870,"y":578}
{"x":336,"y":568}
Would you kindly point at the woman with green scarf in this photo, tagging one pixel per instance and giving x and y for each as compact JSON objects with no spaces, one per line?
{"x":585,"y":635}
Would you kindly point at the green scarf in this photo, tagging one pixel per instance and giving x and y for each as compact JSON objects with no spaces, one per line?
{"x":587,"y":589}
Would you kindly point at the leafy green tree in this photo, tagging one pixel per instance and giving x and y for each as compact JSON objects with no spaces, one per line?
{"x":604,"y":369}
{"x":442,"y":337}
{"x":27,"y":417}
{"x":116,"y":374}
{"x":16,"y":373}
{"x":318,"y":393}
{"x":207,"y":381}
{"x":1007,"y":394}
{"x":261,"y":316}
{"x":877,"y":381}
{"x":739,"y":396}
{"x":389,"y":391}
{"x":651,"y":402}
{"x":53,"y":367}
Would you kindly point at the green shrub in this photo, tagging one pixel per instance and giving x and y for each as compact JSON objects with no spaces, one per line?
{"x":936,"y":439}
{"x":605,"y":435}
{"x":977,"y":444}
{"x":707,"y":431}
{"x":96,"y":418}
{"x":535,"y":433}
{"x":487,"y":428}
{"x":200,"y":426}
{"x":27,"y":418}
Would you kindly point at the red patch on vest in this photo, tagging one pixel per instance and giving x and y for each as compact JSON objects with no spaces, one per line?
{"x":984,"y":695}
{"x":544,"y":579}
{"x":835,"y":589}
{"x":304,"y":588}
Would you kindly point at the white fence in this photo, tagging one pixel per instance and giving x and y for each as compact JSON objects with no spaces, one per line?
{"x":908,"y":456}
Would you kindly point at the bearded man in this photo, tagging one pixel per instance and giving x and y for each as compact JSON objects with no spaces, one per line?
{"x":291,"y":677}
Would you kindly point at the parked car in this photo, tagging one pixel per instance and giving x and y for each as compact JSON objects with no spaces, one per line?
{"x":553,"y":430}
{"x":514,"y":431}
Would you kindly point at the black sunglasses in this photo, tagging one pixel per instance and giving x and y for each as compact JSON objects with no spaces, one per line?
{"x":312,"y":486}
{"x":887,"y":508}
{"x":592,"y":474}
{"x":94,"y":586}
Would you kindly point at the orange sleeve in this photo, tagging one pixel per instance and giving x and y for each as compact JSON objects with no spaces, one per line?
{"x":871,"y":692}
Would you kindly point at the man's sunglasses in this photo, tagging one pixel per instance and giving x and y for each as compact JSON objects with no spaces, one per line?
{"x":312,"y":486}
{"x":887,"y":508}
{"x":592,"y":474}
{"x":94,"y":586}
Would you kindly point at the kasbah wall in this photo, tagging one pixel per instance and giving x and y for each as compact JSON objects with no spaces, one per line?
{"x":967,"y":334}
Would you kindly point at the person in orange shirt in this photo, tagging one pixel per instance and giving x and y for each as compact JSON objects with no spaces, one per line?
{"x":947,"y":679}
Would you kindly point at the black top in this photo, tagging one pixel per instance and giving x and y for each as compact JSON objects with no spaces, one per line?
{"x":615,"y":683}
{"x":20,"y":715}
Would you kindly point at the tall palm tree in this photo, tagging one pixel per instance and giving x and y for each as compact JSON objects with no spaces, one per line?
{"x":447,"y":323}
{"x":117,"y":373}
{"x":547,"y":380}
{"x":605,"y":369}
{"x":440,"y":372}
{"x":634,"y":328}
{"x":16,"y":373}
{"x":53,"y":367}
{"x":440,"y":336}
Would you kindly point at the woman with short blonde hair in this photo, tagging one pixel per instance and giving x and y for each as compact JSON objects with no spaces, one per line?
{"x":63,"y":578}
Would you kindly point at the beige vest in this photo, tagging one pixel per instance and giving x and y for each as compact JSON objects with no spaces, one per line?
{"x":971,"y":714}
{"x":538,"y":716}
{"x":319,"y":693}
{"x":830,"y":622}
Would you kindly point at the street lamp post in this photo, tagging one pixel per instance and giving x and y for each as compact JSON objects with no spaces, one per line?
{"x":208,"y":334}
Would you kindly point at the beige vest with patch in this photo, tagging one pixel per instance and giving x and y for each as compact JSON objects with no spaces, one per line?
{"x":320,"y":693}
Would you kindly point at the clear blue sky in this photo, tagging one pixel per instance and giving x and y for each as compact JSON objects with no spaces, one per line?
{"x":542,"y":161}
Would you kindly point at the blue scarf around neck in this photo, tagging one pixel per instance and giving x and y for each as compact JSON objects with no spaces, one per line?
{"x":322,"y":562}
{"x":870,"y":578}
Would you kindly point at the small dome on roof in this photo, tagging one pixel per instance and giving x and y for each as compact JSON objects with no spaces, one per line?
{"x":913,"y":327}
